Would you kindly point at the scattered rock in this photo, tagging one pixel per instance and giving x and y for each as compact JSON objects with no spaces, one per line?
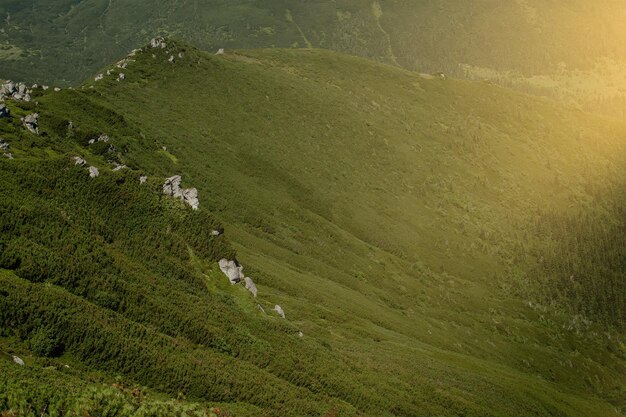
{"x":18,"y":360}
{"x":250,"y":285}
{"x":4,"y":111}
{"x":232,"y":270}
{"x":4,"y":146}
{"x":31,"y":122}
{"x":189,"y":196}
{"x":109,"y":72}
{"x":300,"y":334}
{"x":158,"y":42}
{"x":101,"y":138}
{"x":121,"y":76}
{"x":279,"y":310}
{"x":118,"y":167}
{"x":261,"y":309}
{"x":93,"y":172}
{"x":57,"y":89}
{"x":181,"y":55}
{"x":220,"y":51}
{"x":171,"y":59}
{"x":99,"y":77}
{"x":143,"y":179}
{"x":217,"y":232}
{"x":8,"y":155}
{"x":45,"y":87}
{"x":79,"y":161}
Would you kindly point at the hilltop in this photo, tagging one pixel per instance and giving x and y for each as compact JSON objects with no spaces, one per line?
{"x":439,"y":247}
{"x":570,"y":50}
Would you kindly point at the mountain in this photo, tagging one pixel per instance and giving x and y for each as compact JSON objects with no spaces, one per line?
{"x":438,"y":246}
{"x":572,"y":51}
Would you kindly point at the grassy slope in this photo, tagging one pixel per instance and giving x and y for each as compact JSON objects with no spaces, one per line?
{"x":392,"y":216}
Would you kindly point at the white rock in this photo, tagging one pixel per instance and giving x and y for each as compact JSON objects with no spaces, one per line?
{"x":300,"y":334}
{"x":57,"y":89}
{"x":103,"y":138}
{"x":31,"y":122}
{"x":158,"y":42}
{"x":261,"y":309}
{"x":220,"y":51}
{"x":279,"y":310}
{"x":180,"y":54}
{"x":118,"y":167}
{"x":233,"y":271}
{"x":215,"y":233}
{"x":93,"y":172}
{"x":3,"y":145}
{"x":171,"y":186}
{"x":121,"y":76}
{"x":99,"y":77}
{"x":79,"y":161}
{"x":143,"y":179}
{"x":250,"y":285}
{"x":171,"y":59}
{"x":190,"y":197}
{"x":45,"y":87}
{"x":8,"y":155}
{"x":18,"y":360}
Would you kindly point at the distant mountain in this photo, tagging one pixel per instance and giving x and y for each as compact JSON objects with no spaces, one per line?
{"x":570,"y":50}
{"x":438,"y":247}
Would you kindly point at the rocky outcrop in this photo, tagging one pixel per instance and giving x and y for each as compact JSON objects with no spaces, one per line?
{"x":158,"y":42}
{"x":250,"y":285}
{"x":278,"y":309}
{"x":232,"y":270}
{"x":15,"y":91}
{"x":93,"y":172}
{"x":31,"y":122}
{"x":4,"y":111}
{"x":18,"y":360}
{"x":189,"y":196}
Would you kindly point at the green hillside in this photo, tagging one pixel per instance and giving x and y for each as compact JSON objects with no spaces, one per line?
{"x":570,"y":50}
{"x":439,"y":247}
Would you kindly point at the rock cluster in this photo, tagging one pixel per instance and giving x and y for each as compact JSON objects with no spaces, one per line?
{"x":93,"y":171}
{"x":158,"y":42}
{"x":101,"y":138}
{"x":15,"y":91}
{"x":31,"y":122}
{"x":234,"y":271}
{"x":189,"y":196}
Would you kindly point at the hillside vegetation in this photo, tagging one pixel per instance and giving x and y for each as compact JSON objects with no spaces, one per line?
{"x":440,"y":247}
{"x":570,"y":50}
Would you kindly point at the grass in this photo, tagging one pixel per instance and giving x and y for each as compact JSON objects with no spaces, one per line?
{"x":419,"y":232}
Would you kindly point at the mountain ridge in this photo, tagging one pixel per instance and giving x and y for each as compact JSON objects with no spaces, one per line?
{"x":384,"y":212}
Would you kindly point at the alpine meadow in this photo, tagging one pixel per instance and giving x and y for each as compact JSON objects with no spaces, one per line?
{"x":288,"y":208}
